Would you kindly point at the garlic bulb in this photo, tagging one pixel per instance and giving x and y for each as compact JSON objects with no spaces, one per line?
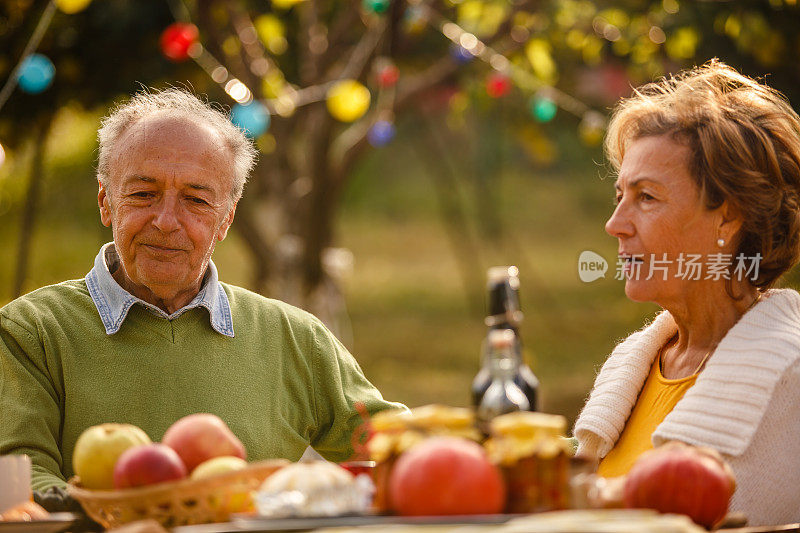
{"x":307,"y":477}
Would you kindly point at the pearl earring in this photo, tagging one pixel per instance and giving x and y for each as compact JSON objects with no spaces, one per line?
{"x":720,"y":242}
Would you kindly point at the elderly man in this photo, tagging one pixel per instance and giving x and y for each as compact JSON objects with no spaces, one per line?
{"x":151,"y":334}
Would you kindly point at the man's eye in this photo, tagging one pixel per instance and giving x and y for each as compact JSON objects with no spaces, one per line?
{"x":617,"y":199}
{"x":197,"y":200}
{"x":646,"y":197}
{"x":142,"y":194}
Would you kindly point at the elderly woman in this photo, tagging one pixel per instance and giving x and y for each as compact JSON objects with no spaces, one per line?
{"x":707,"y":219}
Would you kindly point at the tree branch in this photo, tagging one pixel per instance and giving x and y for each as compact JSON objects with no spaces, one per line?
{"x":455,"y":220}
{"x":344,"y":22}
{"x":252,"y":50}
{"x":213,"y":41}
{"x":362,"y":52}
{"x":27,"y":223}
{"x":309,"y":29}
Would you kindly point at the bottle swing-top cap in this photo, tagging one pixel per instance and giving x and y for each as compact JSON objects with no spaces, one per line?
{"x":501,"y":338}
{"x":497,"y":274}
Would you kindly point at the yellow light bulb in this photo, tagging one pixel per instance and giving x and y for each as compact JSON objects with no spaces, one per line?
{"x":348,"y":100}
{"x":72,"y":6}
{"x":285,"y":4}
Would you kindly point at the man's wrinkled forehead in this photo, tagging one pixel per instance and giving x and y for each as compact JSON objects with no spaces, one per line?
{"x":172,"y":141}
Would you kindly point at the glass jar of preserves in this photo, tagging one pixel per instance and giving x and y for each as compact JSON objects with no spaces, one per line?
{"x":534,"y":456}
{"x":394,"y":432}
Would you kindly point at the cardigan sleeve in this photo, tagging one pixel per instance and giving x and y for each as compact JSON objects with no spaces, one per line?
{"x":339,"y":384}
{"x":30,"y":407}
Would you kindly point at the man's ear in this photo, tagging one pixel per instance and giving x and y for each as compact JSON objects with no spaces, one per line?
{"x":222,"y":232}
{"x":104,"y":201}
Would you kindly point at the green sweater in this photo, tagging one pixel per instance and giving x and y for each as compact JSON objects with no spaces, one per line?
{"x":283,"y":382}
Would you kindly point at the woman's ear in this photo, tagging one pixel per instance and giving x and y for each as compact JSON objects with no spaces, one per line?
{"x":730,"y":221}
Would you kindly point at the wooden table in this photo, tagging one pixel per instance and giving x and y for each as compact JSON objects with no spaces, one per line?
{"x":399,"y":525}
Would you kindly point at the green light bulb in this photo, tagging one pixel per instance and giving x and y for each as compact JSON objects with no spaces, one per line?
{"x":542,"y":108}
{"x":377,"y":6}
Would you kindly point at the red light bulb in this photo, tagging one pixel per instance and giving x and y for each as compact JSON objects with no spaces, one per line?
{"x":498,"y":85}
{"x":388,"y":76}
{"x":176,"y":40}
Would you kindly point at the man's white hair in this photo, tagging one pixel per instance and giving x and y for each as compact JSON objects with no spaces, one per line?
{"x":179,"y":103}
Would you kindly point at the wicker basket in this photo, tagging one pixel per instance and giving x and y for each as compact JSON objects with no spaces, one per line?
{"x":176,"y":503}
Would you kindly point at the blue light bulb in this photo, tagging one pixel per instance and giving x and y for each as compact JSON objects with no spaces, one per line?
{"x":35,"y":74}
{"x":381,"y":133}
{"x":252,"y":118}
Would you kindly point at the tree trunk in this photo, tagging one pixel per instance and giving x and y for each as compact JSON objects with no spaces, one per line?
{"x":433,"y":151}
{"x":31,"y":204}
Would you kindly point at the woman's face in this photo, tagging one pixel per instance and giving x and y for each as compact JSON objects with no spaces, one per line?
{"x":659,"y":216}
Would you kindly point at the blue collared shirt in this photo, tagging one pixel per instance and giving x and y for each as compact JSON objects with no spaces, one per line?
{"x":113,"y":302}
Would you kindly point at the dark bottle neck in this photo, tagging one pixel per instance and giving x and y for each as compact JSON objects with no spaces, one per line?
{"x":504,"y":304}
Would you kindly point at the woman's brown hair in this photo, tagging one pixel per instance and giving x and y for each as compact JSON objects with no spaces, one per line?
{"x":744,"y":140}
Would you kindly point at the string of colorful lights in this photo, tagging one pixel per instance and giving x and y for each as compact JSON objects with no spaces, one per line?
{"x":347,"y":99}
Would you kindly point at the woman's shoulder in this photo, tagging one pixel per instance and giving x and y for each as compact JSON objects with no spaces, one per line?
{"x":785,"y":302}
{"x":774,"y":322}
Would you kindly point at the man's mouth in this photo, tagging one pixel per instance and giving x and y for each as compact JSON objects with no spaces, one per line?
{"x":160,"y":248}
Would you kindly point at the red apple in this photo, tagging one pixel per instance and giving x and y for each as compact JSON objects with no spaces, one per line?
{"x":147,"y":464}
{"x":678,"y":478}
{"x":200,"y":437}
{"x":446,"y":476}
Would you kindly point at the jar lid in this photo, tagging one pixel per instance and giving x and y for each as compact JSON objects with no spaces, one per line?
{"x":529,"y":424}
{"x":435,"y":415}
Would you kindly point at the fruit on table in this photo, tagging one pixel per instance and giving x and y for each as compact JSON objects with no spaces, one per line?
{"x":234,"y":503}
{"x":217,"y":466}
{"x":446,"y":476}
{"x":97,"y":450}
{"x":678,"y":478}
{"x":307,"y":477}
{"x":146,"y":465}
{"x":200,"y":437}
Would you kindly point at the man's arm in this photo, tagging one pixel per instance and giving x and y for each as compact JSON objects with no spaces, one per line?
{"x":339,"y":384}
{"x":30,"y":412}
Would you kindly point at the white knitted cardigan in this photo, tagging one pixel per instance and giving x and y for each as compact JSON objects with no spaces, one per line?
{"x":745,"y":404}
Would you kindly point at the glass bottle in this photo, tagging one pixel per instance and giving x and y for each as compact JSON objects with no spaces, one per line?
{"x":504,"y":313}
{"x":502,"y":395}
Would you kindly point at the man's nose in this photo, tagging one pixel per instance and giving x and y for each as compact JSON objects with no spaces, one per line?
{"x":619,"y":225}
{"x":166,"y":216}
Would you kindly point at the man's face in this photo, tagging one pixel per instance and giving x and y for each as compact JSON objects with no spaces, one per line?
{"x":167,"y":201}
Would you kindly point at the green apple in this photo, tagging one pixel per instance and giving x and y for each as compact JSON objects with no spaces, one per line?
{"x":217,"y":466}
{"x":99,"y":447}
{"x":234,"y":503}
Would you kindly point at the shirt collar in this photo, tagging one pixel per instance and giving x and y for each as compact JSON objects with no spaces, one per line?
{"x":113,"y":302}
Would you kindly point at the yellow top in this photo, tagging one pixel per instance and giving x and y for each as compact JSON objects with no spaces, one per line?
{"x":657,"y":399}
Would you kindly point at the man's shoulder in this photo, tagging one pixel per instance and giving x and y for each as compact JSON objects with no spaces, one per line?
{"x":52,"y":297}
{"x":247,"y":301}
{"x":65,"y":303}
